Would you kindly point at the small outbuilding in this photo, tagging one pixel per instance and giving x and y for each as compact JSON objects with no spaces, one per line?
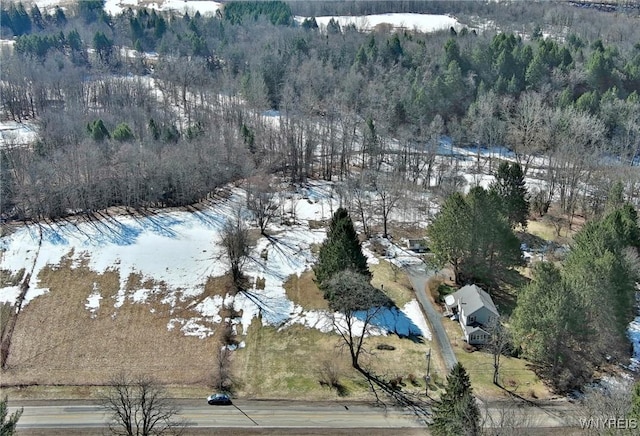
{"x":418,"y":245}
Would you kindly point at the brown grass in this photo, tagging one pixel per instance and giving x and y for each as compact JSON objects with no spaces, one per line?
{"x":57,"y":341}
{"x":8,"y":279}
{"x":479,"y":365}
{"x":304,"y":291}
{"x":286,"y":363}
{"x":396,"y":283}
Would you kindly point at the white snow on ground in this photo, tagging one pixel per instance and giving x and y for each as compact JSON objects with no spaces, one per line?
{"x":633,"y":332}
{"x":115,"y":7}
{"x":93,"y":300}
{"x":9,"y":294}
{"x":180,"y":250}
{"x":14,"y":134}
{"x":414,"y":312}
{"x":422,"y":22}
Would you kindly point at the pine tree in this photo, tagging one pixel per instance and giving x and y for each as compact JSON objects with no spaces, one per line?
{"x":456,"y":413}
{"x":97,"y":130}
{"x":473,"y":238}
{"x":8,"y":424}
{"x":341,"y":250}
{"x":512,"y":191}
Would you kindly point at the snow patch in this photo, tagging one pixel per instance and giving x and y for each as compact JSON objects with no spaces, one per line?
{"x":93,"y":300}
{"x":205,"y":7}
{"x":422,"y":22}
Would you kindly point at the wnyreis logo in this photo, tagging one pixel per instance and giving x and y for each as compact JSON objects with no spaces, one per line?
{"x":608,"y":423}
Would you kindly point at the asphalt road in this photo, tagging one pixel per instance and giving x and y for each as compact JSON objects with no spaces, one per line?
{"x":418,"y":275}
{"x":244,"y":413}
{"x":281,"y":417}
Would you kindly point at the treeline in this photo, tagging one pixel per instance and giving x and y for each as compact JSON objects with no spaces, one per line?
{"x":385,"y":98}
{"x":277,"y":12}
{"x":572,"y":319}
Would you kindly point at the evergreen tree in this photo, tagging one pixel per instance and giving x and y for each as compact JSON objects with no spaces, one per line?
{"x":8,"y":425}
{"x":59,"y":18}
{"x":97,"y":130}
{"x":511,"y":188}
{"x":341,"y":250}
{"x":456,"y":413}
{"x":449,"y":233}
{"x":310,"y":24}
{"x":634,"y":413}
{"x":123,"y":133}
{"x":546,"y":319}
{"x":103,"y":46}
{"x":36,"y":17}
{"x":471,"y":235}
{"x":615,"y":197}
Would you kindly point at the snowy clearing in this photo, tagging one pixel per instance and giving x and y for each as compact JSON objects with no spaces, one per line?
{"x":115,"y":7}
{"x":421,"y":22}
{"x":180,"y":250}
{"x":14,"y":134}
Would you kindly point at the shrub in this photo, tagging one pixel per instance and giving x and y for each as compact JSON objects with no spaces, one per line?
{"x":413,"y":380}
{"x":469,"y":348}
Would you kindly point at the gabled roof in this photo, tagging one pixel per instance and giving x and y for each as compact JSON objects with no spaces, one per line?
{"x":474,"y":298}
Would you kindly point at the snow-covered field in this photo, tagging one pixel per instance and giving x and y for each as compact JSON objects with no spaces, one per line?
{"x":115,"y":7}
{"x":180,"y":250}
{"x":205,"y":7}
{"x":421,"y":22}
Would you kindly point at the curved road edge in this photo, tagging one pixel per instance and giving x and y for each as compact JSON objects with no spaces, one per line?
{"x":418,"y":276}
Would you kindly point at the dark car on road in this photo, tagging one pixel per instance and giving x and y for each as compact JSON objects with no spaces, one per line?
{"x":219,"y":400}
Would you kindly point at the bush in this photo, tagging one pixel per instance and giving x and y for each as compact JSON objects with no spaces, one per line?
{"x":378,"y":248}
{"x":469,"y":348}
{"x":329,"y":375}
{"x":444,"y":290}
{"x":413,"y":380}
{"x":433,"y":284}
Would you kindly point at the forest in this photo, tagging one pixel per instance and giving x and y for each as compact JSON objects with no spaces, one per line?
{"x":152,"y":109}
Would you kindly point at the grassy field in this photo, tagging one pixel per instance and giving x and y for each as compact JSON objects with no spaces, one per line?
{"x":62,"y":350}
{"x":394,"y":280}
{"x":515,"y":375}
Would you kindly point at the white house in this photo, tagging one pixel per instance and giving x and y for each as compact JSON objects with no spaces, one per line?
{"x":476,"y":312}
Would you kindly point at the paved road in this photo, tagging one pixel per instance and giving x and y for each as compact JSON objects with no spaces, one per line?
{"x":41,"y":417}
{"x":244,"y":413}
{"x":418,"y":275}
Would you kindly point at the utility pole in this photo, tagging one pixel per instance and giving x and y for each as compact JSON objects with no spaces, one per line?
{"x":427,"y":377}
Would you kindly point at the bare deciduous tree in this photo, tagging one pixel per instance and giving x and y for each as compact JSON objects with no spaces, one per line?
{"x":610,"y":400}
{"x":507,"y":418}
{"x":498,"y":345}
{"x":528,"y":128}
{"x":389,"y":191}
{"x":350,"y":293}
{"x":139,"y":407}
{"x":235,"y":240}
{"x":262,"y":201}
{"x":223,"y":379}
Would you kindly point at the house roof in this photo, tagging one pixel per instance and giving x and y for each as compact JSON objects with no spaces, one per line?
{"x":474,"y":298}
{"x":475,"y":329}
